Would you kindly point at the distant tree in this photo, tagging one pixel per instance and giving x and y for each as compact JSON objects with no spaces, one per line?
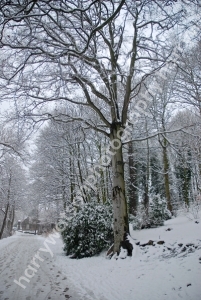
{"x":13,"y":183}
{"x":187,"y":87}
{"x":184,"y":174}
{"x":187,"y":156}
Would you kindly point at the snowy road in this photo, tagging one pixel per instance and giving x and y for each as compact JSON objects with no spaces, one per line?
{"x":44,"y":281}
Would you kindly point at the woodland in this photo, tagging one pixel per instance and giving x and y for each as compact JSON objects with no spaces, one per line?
{"x":100,"y":116}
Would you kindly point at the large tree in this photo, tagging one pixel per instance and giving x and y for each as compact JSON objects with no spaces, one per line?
{"x":95,"y":56}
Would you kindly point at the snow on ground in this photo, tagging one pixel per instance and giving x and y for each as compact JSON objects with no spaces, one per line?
{"x":169,"y":271}
{"x":44,"y":280}
{"x":166,"y":271}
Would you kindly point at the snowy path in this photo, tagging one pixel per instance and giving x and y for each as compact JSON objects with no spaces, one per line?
{"x":48,"y":282}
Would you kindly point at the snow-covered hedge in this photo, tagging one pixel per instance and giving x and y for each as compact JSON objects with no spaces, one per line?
{"x":88,"y":231}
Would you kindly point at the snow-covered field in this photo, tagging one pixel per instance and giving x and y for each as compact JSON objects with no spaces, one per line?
{"x":170,"y":270}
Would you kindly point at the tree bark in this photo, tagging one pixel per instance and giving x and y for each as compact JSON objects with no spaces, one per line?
{"x":166,"y":176}
{"x":7,"y":208}
{"x":72,"y":175}
{"x":4,"y":221}
{"x":147,"y":177}
{"x":133,"y":197}
{"x":120,"y":217}
{"x":12,"y":219}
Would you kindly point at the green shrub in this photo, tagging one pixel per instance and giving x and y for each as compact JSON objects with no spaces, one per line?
{"x":88,"y":230}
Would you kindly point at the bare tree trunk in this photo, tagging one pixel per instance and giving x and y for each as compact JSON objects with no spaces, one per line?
{"x":103,"y":188}
{"x":71,"y":178}
{"x":166,"y":176}
{"x":120,"y":225}
{"x":4,"y":221}
{"x":133,"y":199}
{"x":146,"y":188}
{"x":84,"y":194}
{"x":7,"y":209}
{"x":64,"y":198}
{"x":12,"y":219}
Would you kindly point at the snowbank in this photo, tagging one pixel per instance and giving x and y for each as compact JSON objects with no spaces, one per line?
{"x":160,"y":272}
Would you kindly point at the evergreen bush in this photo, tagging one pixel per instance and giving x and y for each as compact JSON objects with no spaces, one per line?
{"x":88,"y":230}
